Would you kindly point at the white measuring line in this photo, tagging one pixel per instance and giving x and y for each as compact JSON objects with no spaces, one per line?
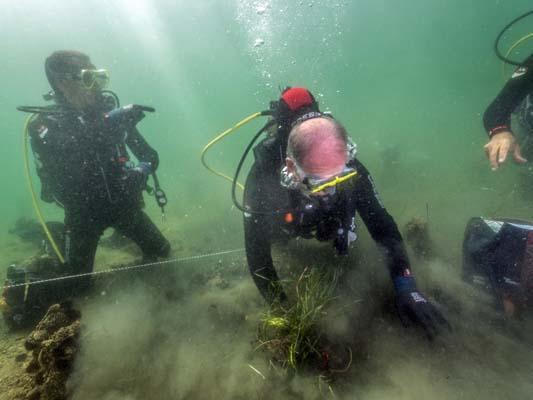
{"x":121,"y":269}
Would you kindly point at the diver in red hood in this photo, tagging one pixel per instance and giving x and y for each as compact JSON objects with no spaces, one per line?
{"x":307,"y":182}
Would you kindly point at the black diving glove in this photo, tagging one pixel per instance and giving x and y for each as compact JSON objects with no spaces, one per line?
{"x":126,"y":116}
{"x":139,"y":175}
{"x":414,"y":308}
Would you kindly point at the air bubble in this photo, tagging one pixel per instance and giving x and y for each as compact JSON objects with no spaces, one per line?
{"x":261,"y":9}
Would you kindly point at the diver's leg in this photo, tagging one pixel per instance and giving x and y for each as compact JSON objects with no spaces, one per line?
{"x":81,"y":241}
{"x":137,"y":226}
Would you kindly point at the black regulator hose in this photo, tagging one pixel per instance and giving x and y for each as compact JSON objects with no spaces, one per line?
{"x":498,"y":38}
{"x":238,"y":171}
{"x":57,"y":109}
{"x":239,"y":167}
{"x":40,"y":109}
{"x":112,"y":95}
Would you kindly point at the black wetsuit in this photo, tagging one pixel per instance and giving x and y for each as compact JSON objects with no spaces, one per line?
{"x":333,"y":221}
{"x":83,"y":165}
{"x":497,"y":117}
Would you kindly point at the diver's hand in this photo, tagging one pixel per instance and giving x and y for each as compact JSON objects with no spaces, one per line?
{"x":138,"y":176}
{"x":144,"y":168}
{"x":499,"y":145}
{"x":414,"y":308}
{"x":127,"y":116}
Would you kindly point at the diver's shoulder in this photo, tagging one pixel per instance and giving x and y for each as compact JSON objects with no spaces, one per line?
{"x":359,"y":166}
{"x":43,"y":124}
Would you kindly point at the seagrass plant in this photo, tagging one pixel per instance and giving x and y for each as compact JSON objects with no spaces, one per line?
{"x":292,"y":334}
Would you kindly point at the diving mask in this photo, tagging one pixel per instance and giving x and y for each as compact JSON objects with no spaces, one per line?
{"x":328,"y":185}
{"x":94,"y":77}
{"x":89,"y":78}
{"x":312,"y":185}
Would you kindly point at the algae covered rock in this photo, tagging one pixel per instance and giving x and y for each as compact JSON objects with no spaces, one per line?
{"x":53,"y":345}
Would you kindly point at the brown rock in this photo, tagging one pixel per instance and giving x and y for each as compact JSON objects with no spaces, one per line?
{"x":54,"y":345}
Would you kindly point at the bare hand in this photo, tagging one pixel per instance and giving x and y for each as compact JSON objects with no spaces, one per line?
{"x":499,"y":146}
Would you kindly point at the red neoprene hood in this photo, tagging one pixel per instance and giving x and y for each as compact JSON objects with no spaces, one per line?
{"x":297,"y":97}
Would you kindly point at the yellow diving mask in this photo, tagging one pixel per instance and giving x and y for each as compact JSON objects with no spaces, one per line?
{"x":317,"y":185}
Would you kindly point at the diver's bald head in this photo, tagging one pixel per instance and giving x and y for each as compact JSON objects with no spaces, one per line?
{"x":318,"y":146}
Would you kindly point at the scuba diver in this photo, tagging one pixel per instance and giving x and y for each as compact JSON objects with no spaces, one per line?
{"x":517,"y":94}
{"x":515,"y":97}
{"x":80,"y":145}
{"x":498,"y":253}
{"x":306,"y":182}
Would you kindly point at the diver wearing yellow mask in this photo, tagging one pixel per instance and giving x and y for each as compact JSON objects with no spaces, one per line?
{"x":308,"y":183}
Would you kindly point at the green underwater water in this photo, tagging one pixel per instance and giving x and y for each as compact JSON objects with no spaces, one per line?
{"x":411,"y":79}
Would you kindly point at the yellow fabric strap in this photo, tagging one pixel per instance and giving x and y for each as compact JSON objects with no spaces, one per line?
{"x":334,"y":182}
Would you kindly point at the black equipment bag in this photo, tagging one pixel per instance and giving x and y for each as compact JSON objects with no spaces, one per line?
{"x":498,"y":255}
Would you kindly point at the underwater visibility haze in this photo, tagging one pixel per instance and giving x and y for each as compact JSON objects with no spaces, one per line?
{"x":410,"y":82}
